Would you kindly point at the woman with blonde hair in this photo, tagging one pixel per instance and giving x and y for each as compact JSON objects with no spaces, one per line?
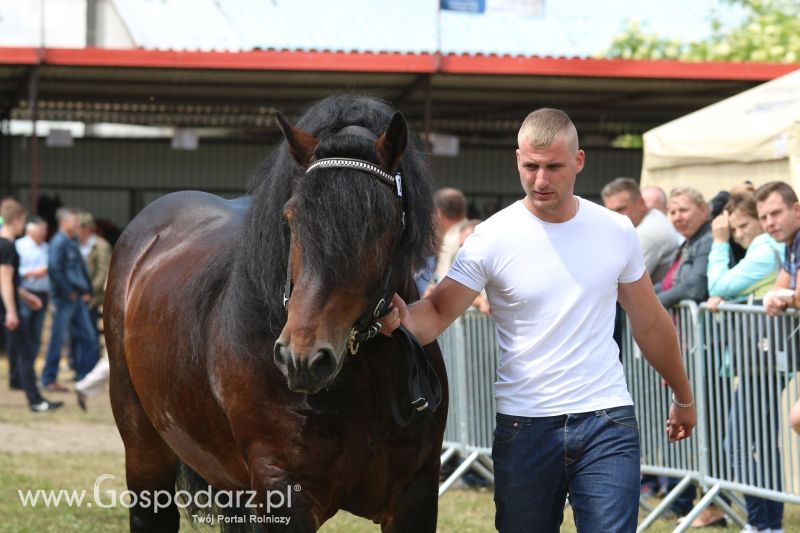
{"x":686,"y":279}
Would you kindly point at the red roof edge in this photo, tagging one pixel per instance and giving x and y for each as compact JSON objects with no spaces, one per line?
{"x":615,"y":68}
{"x":18,"y":56}
{"x":252,"y":60}
{"x":387,"y":62}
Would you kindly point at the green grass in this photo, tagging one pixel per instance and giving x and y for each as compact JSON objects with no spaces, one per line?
{"x":58,"y":471}
{"x":460,"y":511}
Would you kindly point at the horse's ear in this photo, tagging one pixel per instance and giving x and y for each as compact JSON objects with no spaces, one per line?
{"x":301,"y":144}
{"x":391,"y":145}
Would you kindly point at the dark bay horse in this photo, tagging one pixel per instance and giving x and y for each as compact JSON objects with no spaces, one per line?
{"x":211,"y":371}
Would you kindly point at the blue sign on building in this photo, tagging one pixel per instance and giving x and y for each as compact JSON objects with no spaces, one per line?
{"x":468,"y":6}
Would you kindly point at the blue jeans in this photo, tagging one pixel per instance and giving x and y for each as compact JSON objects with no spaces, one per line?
{"x":71,"y":316}
{"x":592,"y":457}
{"x":760,"y":464}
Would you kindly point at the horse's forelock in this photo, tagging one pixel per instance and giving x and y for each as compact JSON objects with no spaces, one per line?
{"x":343,"y":220}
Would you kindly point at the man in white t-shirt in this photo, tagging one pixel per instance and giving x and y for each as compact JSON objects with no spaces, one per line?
{"x":553,"y":266}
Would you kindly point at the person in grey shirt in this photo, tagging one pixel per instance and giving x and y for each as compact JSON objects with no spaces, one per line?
{"x":655,"y":233}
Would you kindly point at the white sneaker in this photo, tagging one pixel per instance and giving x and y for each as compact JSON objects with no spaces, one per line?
{"x":45,"y":406}
{"x":753,"y":529}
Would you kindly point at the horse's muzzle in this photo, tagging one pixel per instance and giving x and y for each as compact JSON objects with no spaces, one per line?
{"x":307,"y":374}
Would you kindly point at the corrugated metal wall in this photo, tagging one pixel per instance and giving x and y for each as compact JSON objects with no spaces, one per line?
{"x":115,"y":179}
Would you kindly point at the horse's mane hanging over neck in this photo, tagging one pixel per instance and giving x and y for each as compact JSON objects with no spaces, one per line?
{"x":262,"y":251}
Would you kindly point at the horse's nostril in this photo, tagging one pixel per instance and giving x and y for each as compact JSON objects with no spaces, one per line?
{"x":281,"y":354}
{"x":323,"y":363}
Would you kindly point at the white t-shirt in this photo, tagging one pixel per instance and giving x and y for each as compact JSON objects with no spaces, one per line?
{"x":553,"y":289}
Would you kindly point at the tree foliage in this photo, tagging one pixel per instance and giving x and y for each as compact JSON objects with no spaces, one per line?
{"x":769,"y":32}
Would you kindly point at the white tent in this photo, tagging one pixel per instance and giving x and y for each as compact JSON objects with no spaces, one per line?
{"x":754,"y":135}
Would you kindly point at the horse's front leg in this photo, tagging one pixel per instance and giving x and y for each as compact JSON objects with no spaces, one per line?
{"x":416,"y":507}
{"x":150,"y":467}
{"x":151,"y":478}
{"x":281,"y":504}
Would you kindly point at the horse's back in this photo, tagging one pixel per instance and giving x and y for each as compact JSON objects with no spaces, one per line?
{"x":185,"y":215}
{"x":175,"y":223}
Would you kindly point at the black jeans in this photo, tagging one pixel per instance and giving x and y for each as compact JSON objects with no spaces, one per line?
{"x":20,"y":343}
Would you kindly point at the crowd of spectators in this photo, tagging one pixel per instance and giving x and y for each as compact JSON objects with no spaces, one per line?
{"x":737,"y":247}
{"x":64,"y":279}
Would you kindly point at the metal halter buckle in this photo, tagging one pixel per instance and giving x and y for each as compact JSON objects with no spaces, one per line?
{"x":352,"y":343}
{"x":420,"y":404}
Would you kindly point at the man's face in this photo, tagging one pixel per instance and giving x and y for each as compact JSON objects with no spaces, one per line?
{"x":744,"y":227}
{"x":622,"y":203}
{"x":781,"y":221}
{"x":71,"y":225}
{"x":84,"y":232}
{"x":686,"y":216}
{"x":38,"y":233}
{"x":18,"y":225}
{"x":548,"y":178}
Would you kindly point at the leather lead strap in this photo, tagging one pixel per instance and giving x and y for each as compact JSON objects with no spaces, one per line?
{"x":423,"y":385}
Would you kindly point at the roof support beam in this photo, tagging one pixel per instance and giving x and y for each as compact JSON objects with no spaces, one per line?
{"x":33,"y":98}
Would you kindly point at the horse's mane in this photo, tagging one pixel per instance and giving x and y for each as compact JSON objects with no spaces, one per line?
{"x":338,"y":210}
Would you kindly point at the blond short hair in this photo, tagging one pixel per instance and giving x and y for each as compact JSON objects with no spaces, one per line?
{"x":545,"y":126}
{"x":691,"y":193}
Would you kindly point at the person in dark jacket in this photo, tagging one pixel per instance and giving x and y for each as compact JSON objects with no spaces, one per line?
{"x":71,"y":291}
{"x":687,"y":278}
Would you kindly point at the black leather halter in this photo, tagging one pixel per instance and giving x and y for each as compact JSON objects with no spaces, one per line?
{"x":367,"y":325}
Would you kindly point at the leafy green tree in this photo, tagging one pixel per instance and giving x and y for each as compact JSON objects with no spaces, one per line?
{"x":769,"y":32}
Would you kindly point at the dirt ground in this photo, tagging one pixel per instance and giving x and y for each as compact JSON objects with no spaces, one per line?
{"x":65,"y":430}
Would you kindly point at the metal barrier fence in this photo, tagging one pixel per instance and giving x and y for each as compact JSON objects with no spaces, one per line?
{"x":652,"y":399}
{"x":743,"y":366}
{"x":470,"y":352}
